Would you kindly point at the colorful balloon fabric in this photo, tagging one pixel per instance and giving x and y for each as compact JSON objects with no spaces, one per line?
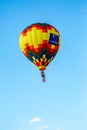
{"x":40,"y":43}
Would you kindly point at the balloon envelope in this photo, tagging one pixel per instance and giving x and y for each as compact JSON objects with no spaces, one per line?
{"x":40,"y":43}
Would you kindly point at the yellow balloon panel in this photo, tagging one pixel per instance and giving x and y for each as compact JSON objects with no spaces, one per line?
{"x":23,"y":40}
{"x":29,"y":38}
{"x":39,"y":36}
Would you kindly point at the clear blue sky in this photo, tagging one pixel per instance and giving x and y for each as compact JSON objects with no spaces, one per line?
{"x":25,"y":102}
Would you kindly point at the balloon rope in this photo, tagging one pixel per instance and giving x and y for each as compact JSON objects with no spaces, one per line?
{"x":43,"y":76}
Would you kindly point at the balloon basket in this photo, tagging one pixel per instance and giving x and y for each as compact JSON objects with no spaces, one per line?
{"x":43,"y":76}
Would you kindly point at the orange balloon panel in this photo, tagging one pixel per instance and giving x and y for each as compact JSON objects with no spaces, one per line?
{"x":40,"y":42}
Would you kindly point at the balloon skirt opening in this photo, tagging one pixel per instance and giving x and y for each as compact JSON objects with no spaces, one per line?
{"x":42,"y":67}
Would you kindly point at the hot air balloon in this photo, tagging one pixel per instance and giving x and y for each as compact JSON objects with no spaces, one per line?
{"x":40,"y":43}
